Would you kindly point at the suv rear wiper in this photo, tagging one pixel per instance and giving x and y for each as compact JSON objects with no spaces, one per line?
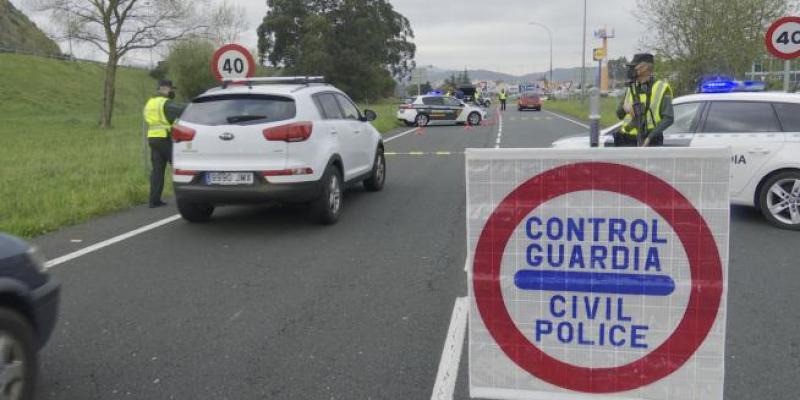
{"x":242,"y":118}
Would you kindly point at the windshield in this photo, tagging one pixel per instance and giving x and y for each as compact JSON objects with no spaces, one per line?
{"x":239,"y":110}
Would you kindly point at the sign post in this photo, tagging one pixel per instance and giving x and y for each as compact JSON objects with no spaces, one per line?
{"x":231,"y":62}
{"x":783,"y":41}
{"x":597,"y":274}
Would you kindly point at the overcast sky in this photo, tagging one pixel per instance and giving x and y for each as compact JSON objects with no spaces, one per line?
{"x":495,"y":35}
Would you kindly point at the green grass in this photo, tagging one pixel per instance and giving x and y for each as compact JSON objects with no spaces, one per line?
{"x":387,"y":115}
{"x":58,"y":168}
{"x":580,"y":110}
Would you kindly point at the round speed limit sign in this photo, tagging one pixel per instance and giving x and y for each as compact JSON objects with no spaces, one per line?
{"x":783,"y":38}
{"x":231,"y":62}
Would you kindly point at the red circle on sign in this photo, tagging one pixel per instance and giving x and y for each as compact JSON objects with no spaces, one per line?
{"x":771,"y":31}
{"x":686,"y":221}
{"x":251,"y":63}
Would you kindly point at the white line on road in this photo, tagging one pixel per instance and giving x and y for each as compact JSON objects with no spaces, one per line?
{"x":499,"y":130}
{"x":399,"y":135}
{"x":568,"y":119}
{"x":451,"y":354}
{"x":105,"y":243}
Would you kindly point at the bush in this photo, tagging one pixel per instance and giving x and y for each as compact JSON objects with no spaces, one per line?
{"x":188,"y":66}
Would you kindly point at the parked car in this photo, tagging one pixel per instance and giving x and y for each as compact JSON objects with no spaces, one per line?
{"x":529,"y":101}
{"x":28,"y":308}
{"x":763,"y":133}
{"x":439,"y":110}
{"x":296,"y":140}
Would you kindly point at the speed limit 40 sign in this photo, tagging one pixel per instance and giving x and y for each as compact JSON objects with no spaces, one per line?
{"x":783,"y":38}
{"x":231,"y":62}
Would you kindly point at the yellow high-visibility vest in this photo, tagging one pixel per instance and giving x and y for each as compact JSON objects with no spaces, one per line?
{"x":502,"y":95}
{"x":653,"y":117}
{"x":157,"y":124}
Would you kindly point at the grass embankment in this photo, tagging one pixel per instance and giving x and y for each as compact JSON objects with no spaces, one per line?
{"x":580,"y":109}
{"x":387,"y":115}
{"x":56,"y":166}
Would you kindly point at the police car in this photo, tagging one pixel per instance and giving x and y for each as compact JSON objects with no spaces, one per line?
{"x":291,"y":139}
{"x":763,"y":131}
{"x":435,"y":109}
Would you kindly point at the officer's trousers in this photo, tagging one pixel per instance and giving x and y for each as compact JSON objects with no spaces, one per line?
{"x":160,"y":155}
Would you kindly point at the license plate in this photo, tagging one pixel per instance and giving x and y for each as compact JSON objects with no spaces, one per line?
{"x":229,"y":178}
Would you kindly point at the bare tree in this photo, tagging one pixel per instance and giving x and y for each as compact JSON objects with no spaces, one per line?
{"x":227,"y":21}
{"x":117,"y":27}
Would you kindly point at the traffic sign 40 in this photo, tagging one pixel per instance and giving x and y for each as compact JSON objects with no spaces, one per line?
{"x":783,"y":38}
{"x":231,"y":62}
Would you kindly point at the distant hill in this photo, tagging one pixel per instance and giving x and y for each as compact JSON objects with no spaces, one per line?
{"x":19,"y":33}
{"x":437,"y":75}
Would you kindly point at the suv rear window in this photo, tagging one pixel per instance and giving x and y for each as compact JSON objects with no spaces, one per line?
{"x":239,"y":109}
{"x":531,"y":96}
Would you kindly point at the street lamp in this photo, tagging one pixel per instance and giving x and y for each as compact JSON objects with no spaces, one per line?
{"x":550,"y":35}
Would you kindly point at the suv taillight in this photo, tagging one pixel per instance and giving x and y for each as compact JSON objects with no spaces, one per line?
{"x":294,"y":132}
{"x":182,"y":134}
{"x":406,"y":106}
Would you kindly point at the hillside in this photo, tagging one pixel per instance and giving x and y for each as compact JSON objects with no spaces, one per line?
{"x":437,"y":75}
{"x":19,"y":33}
{"x":58,"y":166}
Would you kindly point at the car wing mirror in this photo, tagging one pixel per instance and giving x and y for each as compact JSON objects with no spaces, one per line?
{"x":369,"y":115}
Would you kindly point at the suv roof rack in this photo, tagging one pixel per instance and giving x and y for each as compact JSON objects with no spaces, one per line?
{"x":302,"y":80}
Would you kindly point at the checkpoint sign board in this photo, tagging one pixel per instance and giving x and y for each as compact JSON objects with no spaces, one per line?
{"x":231,"y":62}
{"x":783,"y":38}
{"x":597,"y":274}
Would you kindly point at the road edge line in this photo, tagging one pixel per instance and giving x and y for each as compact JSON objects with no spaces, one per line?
{"x":108,"y":242}
{"x":581,"y":124}
{"x":447,"y":374}
{"x":389,"y":139}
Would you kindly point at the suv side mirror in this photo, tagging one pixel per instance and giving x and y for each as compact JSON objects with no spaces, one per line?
{"x":370,"y":115}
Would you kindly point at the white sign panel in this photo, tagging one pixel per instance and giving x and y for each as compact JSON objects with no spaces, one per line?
{"x":597,"y":274}
{"x":231,"y":62}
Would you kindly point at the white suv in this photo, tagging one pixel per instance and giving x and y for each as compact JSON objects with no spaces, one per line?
{"x":763,"y":132}
{"x":273,"y":139}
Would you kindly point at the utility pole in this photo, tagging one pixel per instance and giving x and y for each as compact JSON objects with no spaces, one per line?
{"x":583,"y":54}
{"x":549,"y":35}
{"x":603,"y":73}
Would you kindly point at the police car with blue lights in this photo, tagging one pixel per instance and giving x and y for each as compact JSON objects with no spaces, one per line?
{"x":436,"y":109}
{"x":761,"y":128}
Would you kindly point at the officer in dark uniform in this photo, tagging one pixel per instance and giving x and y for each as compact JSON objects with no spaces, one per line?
{"x":646,"y":109}
{"x":159,"y":113}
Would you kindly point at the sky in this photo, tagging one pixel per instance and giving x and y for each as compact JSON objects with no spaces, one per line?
{"x":486,"y":34}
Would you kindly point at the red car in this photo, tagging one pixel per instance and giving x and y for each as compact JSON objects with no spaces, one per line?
{"x":529,"y":101}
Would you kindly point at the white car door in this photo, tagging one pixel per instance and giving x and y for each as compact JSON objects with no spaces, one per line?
{"x":750,"y":129}
{"x":361,"y":138}
{"x":341,"y":129}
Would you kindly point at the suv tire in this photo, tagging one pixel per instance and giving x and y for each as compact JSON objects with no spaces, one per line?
{"x":195,"y":212}
{"x":769,"y":200}
{"x":18,"y":335}
{"x":328,"y":206}
{"x":378,"y":176}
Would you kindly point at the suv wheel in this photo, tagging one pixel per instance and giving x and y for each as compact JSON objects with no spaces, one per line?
{"x":328,"y":206}
{"x":195,"y":212}
{"x":779,"y":200}
{"x":474,"y":119}
{"x":17,"y":356}
{"x":422,"y":120}
{"x":375,"y":181}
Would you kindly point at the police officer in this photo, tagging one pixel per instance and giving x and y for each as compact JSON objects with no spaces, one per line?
{"x":159,"y":113}
{"x":653,"y":110}
{"x":502,"y":97}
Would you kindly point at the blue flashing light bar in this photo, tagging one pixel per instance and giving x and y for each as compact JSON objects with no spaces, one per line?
{"x":726,"y":85}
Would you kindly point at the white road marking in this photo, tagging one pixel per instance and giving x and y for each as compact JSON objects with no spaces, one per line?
{"x":568,"y":119}
{"x":451,"y":353}
{"x":105,"y":243}
{"x":401,"y":134}
{"x":499,"y":130}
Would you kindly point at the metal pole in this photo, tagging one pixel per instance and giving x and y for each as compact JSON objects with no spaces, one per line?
{"x":583,"y":54}
{"x":786,"y":70}
{"x":550,"y":36}
{"x":594,"y":116}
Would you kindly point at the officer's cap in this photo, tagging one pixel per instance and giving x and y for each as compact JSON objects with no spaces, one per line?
{"x":166,"y":82}
{"x":642,"y":58}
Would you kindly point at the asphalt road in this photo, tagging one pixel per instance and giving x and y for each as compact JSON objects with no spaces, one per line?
{"x":262,"y":303}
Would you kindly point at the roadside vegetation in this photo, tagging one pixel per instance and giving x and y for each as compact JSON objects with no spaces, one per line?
{"x":580,"y":109}
{"x":58,"y":166}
